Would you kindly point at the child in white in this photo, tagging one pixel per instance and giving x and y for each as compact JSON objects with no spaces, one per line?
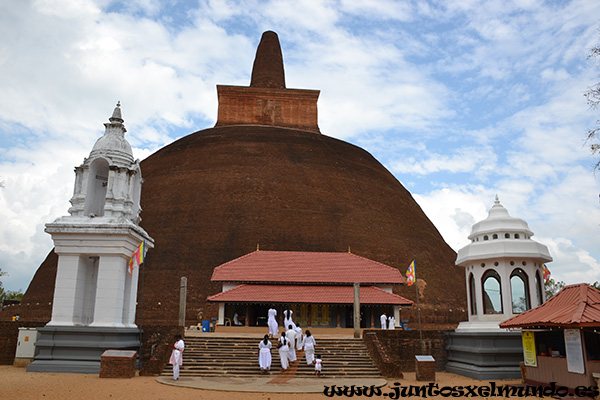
{"x":318,"y":365}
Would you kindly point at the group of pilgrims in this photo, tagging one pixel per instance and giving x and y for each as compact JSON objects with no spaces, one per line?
{"x":387,"y":322}
{"x":290,"y":340}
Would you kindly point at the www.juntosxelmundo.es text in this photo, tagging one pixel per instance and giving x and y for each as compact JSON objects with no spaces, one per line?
{"x":432,"y":389}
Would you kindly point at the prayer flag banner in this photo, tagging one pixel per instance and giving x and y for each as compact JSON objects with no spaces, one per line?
{"x":546,"y":273}
{"x":411,"y":274}
{"x":137,"y":257}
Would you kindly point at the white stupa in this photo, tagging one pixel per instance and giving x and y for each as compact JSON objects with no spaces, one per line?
{"x":503,"y":270}
{"x":95,"y":294}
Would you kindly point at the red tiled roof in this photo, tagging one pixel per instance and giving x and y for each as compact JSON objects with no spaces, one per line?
{"x":305,"y":267}
{"x":574,"y":306}
{"x":312,"y":294}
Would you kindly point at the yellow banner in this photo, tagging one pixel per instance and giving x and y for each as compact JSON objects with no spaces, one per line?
{"x":529,"y":348}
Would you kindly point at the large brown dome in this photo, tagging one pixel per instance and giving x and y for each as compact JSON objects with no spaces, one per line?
{"x":214,"y":195}
{"x":266,"y":176}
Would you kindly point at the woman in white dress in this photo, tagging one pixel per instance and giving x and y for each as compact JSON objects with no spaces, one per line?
{"x":284,"y":348}
{"x":176,"y":358}
{"x":309,"y":347}
{"x":264,"y":354}
{"x":298,"y":338}
{"x":272,"y":322}
{"x":391,"y":323}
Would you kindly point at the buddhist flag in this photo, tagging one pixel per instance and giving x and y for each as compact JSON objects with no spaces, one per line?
{"x":546,"y":273}
{"x":137,"y":257}
{"x":411,"y":274}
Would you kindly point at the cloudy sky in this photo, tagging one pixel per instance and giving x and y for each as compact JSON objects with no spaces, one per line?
{"x":461,"y":100}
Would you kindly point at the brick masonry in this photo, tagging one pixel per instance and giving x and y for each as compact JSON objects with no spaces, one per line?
{"x":118,"y":364}
{"x":9,"y":335}
{"x":156,"y":347}
{"x":394,"y":351}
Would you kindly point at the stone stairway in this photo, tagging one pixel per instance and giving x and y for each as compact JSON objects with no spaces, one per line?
{"x":238,"y":357}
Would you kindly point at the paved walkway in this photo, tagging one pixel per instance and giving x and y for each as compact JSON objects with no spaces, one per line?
{"x":266,"y":384}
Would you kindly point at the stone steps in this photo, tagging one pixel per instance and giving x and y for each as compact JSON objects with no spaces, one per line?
{"x":238,"y":357}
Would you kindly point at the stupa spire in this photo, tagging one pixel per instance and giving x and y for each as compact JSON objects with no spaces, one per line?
{"x":267,"y":71}
{"x":116,"y":116}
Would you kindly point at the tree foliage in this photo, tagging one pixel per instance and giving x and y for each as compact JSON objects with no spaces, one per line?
{"x":593,"y":99}
{"x":551,"y":287}
{"x":9,"y":294}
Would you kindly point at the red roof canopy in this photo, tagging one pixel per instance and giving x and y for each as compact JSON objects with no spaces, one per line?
{"x":574,"y":306}
{"x":311,"y":294}
{"x":306,"y":267}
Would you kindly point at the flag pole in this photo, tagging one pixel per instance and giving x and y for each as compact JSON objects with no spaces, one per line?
{"x":419,"y":311}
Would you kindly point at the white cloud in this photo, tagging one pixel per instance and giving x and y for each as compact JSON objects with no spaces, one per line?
{"x":462,"y":99}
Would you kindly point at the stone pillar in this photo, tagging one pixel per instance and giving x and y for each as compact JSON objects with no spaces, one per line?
{"x":357,"y":310}
{"x":68,"y":293}
{"x":108,"y":311}
{"x":130,"y":298}
{"x":182,"y":300}
{"x":221,"y":320}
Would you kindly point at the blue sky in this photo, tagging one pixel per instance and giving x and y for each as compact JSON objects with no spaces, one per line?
{"x":460,"y":100}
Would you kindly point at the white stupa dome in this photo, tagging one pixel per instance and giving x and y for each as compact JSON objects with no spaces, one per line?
{"x":500,"y":235}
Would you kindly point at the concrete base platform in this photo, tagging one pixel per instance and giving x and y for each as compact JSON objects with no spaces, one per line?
{"x":79,"y":349}
{"x":485,"y":355}
{"x":268,"y":384}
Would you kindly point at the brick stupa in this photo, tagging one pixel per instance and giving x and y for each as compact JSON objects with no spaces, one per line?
{"x":266,"y":175}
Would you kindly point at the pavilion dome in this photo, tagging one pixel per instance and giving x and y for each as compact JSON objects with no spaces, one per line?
{"x":500,"y":235}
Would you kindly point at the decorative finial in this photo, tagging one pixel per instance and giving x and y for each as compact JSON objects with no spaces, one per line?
{"x":349,"y":249}
{"x":268,"y":71}
{"x":257,"y":246}
{"x":116,"y":116}
{"x":497,"y":201}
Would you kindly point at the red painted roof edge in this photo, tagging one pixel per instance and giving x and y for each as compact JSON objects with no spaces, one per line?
{"x":212,"y":298}
{"x":583,"y":290}
{"x":392,"y":269}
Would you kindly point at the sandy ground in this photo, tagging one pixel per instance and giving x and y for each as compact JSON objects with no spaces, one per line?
{"x":16,"y":383}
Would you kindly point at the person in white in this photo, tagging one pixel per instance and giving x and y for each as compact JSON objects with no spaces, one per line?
{"x":236,"y":321}
{"x":287,"y":319}
{"x":383,"y":320}
{"x":272,"y":322}
{"x":291,"y":335}
{"x":318,"y":365}
{"x":309,"y":347}
{"x":391,"y":322}
{"x":264,"y":354}
{"x":298,"y":338}
{"x":284,"y":348}
{"x":177,"y":356}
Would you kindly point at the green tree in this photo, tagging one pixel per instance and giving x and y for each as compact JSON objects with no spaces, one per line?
{"x":9,"y":294}
{"x":551,"y":287}
{"x":593,"y":99}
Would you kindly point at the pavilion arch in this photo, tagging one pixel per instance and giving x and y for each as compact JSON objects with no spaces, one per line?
{"x":519,"y":291}
{"x":492,"y":292}
{"x":97,"y":182}
{"x":472,"y":294}
{"x":539,"y":289}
